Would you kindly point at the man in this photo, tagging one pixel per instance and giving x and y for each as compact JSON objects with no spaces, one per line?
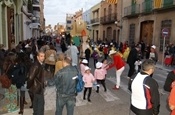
{"x":132,"y":57}
{"x":74,"y":54}
{"x":35,"y":84}
{"x":65,"y":82}
{"x":145,"y":99}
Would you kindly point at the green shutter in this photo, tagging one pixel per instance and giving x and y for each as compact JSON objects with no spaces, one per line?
{"x":167,"y":3}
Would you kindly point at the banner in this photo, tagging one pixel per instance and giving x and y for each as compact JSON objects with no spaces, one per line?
{"x":157,"y":3}
{"x":112,"y":1}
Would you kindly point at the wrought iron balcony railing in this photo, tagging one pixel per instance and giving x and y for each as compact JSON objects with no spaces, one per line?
{"x":132,"y":10}
{"x":111,"y":18}
{"x":95,"y":20}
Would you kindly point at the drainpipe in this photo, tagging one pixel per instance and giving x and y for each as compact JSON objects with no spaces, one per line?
{"x":121,"y":22}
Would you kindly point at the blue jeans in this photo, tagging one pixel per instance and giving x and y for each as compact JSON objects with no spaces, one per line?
{"x":61,"y":101}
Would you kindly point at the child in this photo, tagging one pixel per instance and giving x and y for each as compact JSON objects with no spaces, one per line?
{"x":105,"y":66}
{"x":99,"y":76}
{"x":83,"y":64}
{"x":137,"y":65}
{"x":171,"y":100}
{"x":88,"y":79}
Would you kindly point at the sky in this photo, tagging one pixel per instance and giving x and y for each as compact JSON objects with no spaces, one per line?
{"x":55,"y":10}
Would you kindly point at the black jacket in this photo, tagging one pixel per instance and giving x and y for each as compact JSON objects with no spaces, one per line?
{"x":170,"y":78}
{"x":132,"y":57}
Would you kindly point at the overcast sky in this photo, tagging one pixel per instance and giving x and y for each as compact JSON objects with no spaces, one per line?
{"x":55,"y":10}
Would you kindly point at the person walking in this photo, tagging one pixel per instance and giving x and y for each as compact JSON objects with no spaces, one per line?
{"x":119,"y":64}
{"x":99,"y":75}
{"x":88,"y":79}
{"x":74,"y":54}
{"x":133,"y":56}
{"x":65,"y":82}
{"x":35,"y":84}
{"x":171,"y":100}
{"x":87,"y":54}
{"x":145,"y":97}
{"x":83,"y":64}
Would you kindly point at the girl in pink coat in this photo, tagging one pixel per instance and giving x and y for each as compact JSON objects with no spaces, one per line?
{"x":88,"y":79}
{"x":99,"y":75}
{"x":83,"y":64}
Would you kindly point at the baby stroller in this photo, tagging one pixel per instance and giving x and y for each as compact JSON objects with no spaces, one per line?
{"x":168,"y":60}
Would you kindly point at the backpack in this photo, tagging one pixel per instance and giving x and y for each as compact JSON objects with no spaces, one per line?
{"x":79,"y":82}
{"x":170,"y":78}
{"x":17,"y":74}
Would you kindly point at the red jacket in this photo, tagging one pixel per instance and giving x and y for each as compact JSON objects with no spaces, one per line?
{"x":117,"y":62}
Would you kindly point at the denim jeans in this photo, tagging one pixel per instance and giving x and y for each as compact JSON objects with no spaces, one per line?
{"x":38,"y":104}
{"x":61,"y":101}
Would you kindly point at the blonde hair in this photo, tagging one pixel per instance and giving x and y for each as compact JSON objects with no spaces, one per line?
{"x":61,"y":57}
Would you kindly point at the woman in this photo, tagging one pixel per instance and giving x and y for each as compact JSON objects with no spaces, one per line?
{"x":171,"y":100}
{"x":10,"y":100}
{"x":50,"y":60}
{"x":153,"y":54}
{"x":59,"y":64}
{"x":119,"y":64}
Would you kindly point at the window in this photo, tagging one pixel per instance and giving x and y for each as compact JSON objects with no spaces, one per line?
{"x":114,"y":35}
{"x":165,"y":24}
{"x":68,"y":21}
{"x":103,"y":35}
{"x":131,"y":33}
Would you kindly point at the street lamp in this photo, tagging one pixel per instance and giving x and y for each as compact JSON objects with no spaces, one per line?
{"x":116,"y":23}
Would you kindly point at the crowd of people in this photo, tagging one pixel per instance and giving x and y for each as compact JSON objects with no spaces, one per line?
{"x":35,"y":64}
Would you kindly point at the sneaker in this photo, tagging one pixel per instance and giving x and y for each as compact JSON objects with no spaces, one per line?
{"x":128,"y":78}
{"x":115,"y":88}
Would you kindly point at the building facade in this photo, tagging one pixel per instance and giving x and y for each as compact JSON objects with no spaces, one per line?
{"x":95,"y":22}
{"x":110,"y":32}
{"x":145,"y":19}
{"x":20,"y":21}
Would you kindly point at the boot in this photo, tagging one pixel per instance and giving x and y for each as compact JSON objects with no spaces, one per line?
{"x":97,"y":89}
{"x":21,"y":105}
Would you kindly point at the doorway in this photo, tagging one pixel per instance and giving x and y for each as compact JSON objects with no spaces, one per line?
{"x":147,"y":32}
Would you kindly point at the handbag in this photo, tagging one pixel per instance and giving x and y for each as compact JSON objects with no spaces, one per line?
{"x":4,"y":79}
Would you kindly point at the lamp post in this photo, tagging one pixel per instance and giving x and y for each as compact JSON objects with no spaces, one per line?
{"x":120,"y":27}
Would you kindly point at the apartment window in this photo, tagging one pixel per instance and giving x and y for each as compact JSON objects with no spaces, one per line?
{"x":165,"y":24}
{"x":114,"y":35}
{"x":68,"y":21}
{"x":131,"y":33}
{"x":115,"y":8}
{"x":104,"y":11}
{"x":103,"y":35}
{"x":109,"y":9}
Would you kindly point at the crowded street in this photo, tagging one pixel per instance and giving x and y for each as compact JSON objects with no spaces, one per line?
{"x":112,"y":102}
{"x":87,"y":57}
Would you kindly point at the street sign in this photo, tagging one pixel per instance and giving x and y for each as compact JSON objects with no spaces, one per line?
{"x":165,"y":32}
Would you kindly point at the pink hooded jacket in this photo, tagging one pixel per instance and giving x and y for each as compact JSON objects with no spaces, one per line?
{"x":88,"y":80}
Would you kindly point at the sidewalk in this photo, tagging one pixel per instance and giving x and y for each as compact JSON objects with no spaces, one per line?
{"x":163,"y":67}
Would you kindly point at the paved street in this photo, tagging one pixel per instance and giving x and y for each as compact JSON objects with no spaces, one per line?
{"x":112,"y":102}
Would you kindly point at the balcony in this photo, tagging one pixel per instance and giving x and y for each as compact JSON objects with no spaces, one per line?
{"x":164,"y":5}
{"x":132,"y":10}
{"x":147,"y":7}
{"x":111,"y":18}
{"x":36,"y":5}
{"x":95,"y":20}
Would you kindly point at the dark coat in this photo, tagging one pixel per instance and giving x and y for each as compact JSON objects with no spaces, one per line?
{"x":132,"y":57}
{"x":35,"y":82}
